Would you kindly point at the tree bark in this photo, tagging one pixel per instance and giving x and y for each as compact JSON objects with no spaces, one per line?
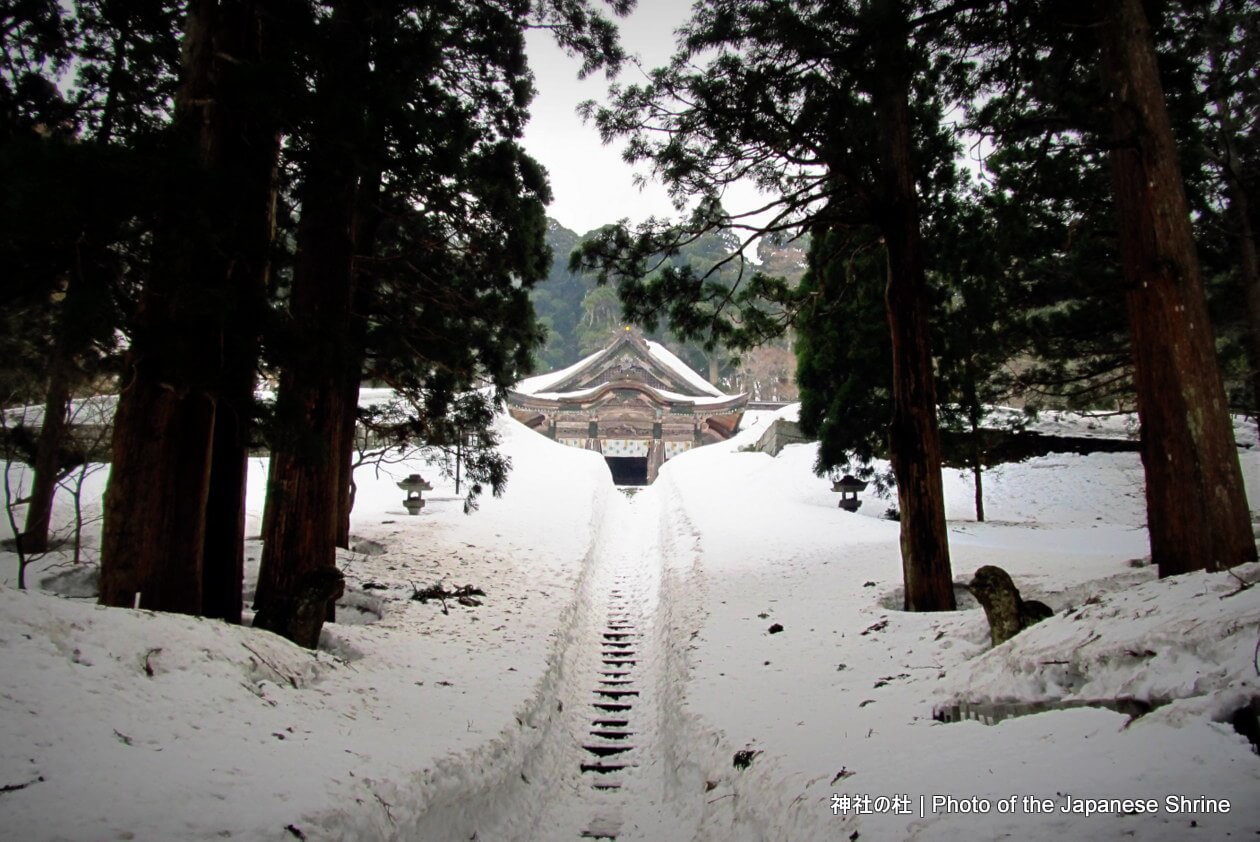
{"x":299,"y":572}
{"x":345,"y":455}
{"x":154,"y":537}
{"x":155,"y":501}
{"x":302,"y":513}
{"x":914,"y":440}
{"x":977,"y":468}
{"x":151,"y":547}
{"x":1197,"y":513}
{"x":977,"y":471}
{"x":76,"y":328}
{"x":223,"y":567}
{"x":255,"y":157}
{"x":365,"y":226}
{"x":52,"y":435}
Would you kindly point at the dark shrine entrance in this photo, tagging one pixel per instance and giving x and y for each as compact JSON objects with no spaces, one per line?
{"x":628,"y":470}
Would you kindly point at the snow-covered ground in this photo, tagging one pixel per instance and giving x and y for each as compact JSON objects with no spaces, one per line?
{"x":129,"y":724}
{"x":485,"y":721}
{"x":841,"y":700}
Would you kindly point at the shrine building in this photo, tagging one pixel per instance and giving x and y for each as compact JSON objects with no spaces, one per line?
{"x":634,"y":402}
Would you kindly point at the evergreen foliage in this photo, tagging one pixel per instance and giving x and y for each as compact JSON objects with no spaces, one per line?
{"x":151,"y":152}
{"x":834,"y":110}
{"x":581,"y":316}
{"x":76,"y":155}
{"x":1224,"y":51}
{"x":412,"y":150}
{"x":1041,"y":79}
{"x":558,"y":301}
{"x":400,"y":120}
{"x":1054,"y":244}
{"x":844,"y":353}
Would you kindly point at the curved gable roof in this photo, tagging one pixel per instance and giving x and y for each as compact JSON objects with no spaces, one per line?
{"x":629,"y":358}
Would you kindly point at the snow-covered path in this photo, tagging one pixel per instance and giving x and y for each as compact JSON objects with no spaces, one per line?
{"x":727,"y":639}
{"x":605,"y":771}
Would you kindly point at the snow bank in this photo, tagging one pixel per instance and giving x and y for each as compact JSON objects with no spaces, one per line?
{"x":799,"y":653}
{"x":781,"y":636}
{"x":1183,"y":637}
{"x":127,"y":724}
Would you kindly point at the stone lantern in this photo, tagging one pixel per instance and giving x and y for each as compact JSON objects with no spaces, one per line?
{"x":414,"y":485}
{"x":849,"y":486}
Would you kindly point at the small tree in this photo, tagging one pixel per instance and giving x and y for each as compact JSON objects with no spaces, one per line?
{"x":83,"y":448}
{"x":12,"y":428}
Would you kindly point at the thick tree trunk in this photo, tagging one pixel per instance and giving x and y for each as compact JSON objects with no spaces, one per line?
{"x":151,"y":546}
{"x":155,"y":501}
{"x":255,"y":158}
{"x":223,"y":568}
{"x":914,"y":440}
{"x":1197,"y":512}
{"x":345,"y":455}
{"x":304,"y":484}
{"x":52,"y":436}
{"x":299,"y":581}
{"x":366,"y":225}
{"x":154,"y":536}
{"x":302,"y":515}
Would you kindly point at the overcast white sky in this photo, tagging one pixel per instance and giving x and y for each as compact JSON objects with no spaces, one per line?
{"x":591,"y":184}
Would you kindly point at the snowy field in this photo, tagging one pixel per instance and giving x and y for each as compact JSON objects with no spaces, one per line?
{"x":620,"y":677}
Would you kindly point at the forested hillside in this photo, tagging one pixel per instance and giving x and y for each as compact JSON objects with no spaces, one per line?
{"x":581,"y":316}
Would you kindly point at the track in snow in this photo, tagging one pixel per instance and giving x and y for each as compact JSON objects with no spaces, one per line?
{"x":605,"y":772}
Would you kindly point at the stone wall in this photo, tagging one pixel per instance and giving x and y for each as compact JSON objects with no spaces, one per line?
{"x":779,"y":435}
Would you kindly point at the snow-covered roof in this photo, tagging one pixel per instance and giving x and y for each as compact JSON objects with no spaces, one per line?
{"x":675,"y":397}
{"x":677,"y":381}
{"x":674,"y":364}
{"x":538,"y":383}
{"x":97,"y":409}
